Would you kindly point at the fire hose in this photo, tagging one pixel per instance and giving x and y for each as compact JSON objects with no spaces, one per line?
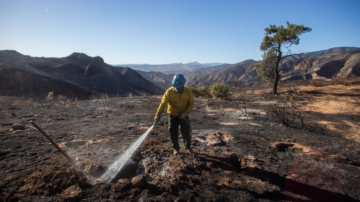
{"x":58,"y":148}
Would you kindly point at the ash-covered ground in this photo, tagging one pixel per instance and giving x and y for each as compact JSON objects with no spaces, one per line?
{"x":242,"y":150}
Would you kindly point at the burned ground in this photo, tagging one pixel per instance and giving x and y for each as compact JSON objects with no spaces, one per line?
{"x":242,"y":152}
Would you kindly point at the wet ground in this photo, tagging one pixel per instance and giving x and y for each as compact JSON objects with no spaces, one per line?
{"x":242,"y":152}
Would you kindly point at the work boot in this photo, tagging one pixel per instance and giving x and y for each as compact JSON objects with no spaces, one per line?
{"x":190,"y":150}
{"x":176,"y":152}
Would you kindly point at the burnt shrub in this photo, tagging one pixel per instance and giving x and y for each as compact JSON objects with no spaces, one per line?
{"x":318,"y":83}
{"x":286,"y":114}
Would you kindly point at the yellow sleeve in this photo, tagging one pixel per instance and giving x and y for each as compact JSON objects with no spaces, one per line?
{"x":163,"y":103}
{"x":190,"y":102}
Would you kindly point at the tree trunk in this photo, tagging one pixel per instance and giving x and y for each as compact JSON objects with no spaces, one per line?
{"x":276,"y":69}
{"x":276,"y":80}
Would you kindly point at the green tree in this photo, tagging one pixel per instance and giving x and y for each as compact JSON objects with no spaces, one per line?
{"x":276,"y":46}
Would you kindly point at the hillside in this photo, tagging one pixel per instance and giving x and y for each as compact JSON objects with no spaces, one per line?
{"x":80,"y":76}
{"x":160,"y":79}
{"x":329,"y":65}
{"x":241,"y":71}
{"x":334,"y":62}
{"x":77,"y":75}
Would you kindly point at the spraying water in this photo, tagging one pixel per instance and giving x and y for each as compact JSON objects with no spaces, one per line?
{"x":115,"y":168}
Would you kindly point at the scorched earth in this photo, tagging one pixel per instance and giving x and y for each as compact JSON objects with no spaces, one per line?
{"x":242,"y":150}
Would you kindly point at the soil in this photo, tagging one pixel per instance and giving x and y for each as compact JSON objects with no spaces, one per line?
{"x":242,"y":150}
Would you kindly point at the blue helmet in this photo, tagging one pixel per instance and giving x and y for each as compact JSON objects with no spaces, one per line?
{"x":178,"y":81}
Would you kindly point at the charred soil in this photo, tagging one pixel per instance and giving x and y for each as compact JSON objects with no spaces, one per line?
{"x":243,"y":152}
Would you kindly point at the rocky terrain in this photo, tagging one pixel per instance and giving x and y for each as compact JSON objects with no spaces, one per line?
{"x":243,"y":150}
{"x":76,"y":76}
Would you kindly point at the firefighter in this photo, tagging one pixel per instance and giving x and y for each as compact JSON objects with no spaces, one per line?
{"x":179,"y":101}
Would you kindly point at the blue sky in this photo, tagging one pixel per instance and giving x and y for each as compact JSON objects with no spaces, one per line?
{"x":170,"y":31}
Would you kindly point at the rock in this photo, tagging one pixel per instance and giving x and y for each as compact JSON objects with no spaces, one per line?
{"x":122,"y":185}
{"x":72,"y":193}
{"x":165,"y":186}
{"x":83,"y":183}
{"x":139,"y":181}
{"x":18,"y":126}
{"x":127,"y":171}
{"x":95,"y":170}
{"x":123,"y":181}
{"x":215,"y":139}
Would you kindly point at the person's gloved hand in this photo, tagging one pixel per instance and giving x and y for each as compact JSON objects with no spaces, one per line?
{"x":183,"y":115}
{"x":156,"y":118}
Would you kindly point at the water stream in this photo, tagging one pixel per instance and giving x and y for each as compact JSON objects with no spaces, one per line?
{"x":115,"y":168}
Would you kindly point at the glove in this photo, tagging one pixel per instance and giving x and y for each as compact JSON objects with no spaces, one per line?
{"x":183,"y":115}
{"x":156,"y":118}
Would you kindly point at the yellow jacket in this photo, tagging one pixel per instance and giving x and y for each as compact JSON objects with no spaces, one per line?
{"x":176,"y":103}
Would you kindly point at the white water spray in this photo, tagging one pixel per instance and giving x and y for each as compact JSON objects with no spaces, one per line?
{"x":115,"y":168}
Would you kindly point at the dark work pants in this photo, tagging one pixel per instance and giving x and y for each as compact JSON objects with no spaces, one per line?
{"x":173,"y":126}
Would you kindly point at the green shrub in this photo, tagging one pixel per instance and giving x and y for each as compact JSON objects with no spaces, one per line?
{"x":202,"y":91}
{"x":194,"y":90}
{"x":219,"y":90}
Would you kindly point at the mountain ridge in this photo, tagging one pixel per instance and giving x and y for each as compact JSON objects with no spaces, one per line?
{"x":88,"y":75}
{"x":84,"y":76}
{"x":320,"y":62}
{"x":228,"y":72}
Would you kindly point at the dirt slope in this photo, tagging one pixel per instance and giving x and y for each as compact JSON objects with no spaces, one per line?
{"x":242,"y":152}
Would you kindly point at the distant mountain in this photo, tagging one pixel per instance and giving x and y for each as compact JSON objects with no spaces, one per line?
{"x":334,"y":62}
{"x":81,"y":76}
{"x":207,"y":70}
{"x":158,"y":78}
{"x":171,"y":68}
{"x":228,"y":73}
{"x":331,"y":50}
{"x":164,"y":80}
{"x":77,"y":75}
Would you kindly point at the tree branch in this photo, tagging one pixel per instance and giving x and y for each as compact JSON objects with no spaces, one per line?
{"x":296,"y":59}
{"x":299,"y":60}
